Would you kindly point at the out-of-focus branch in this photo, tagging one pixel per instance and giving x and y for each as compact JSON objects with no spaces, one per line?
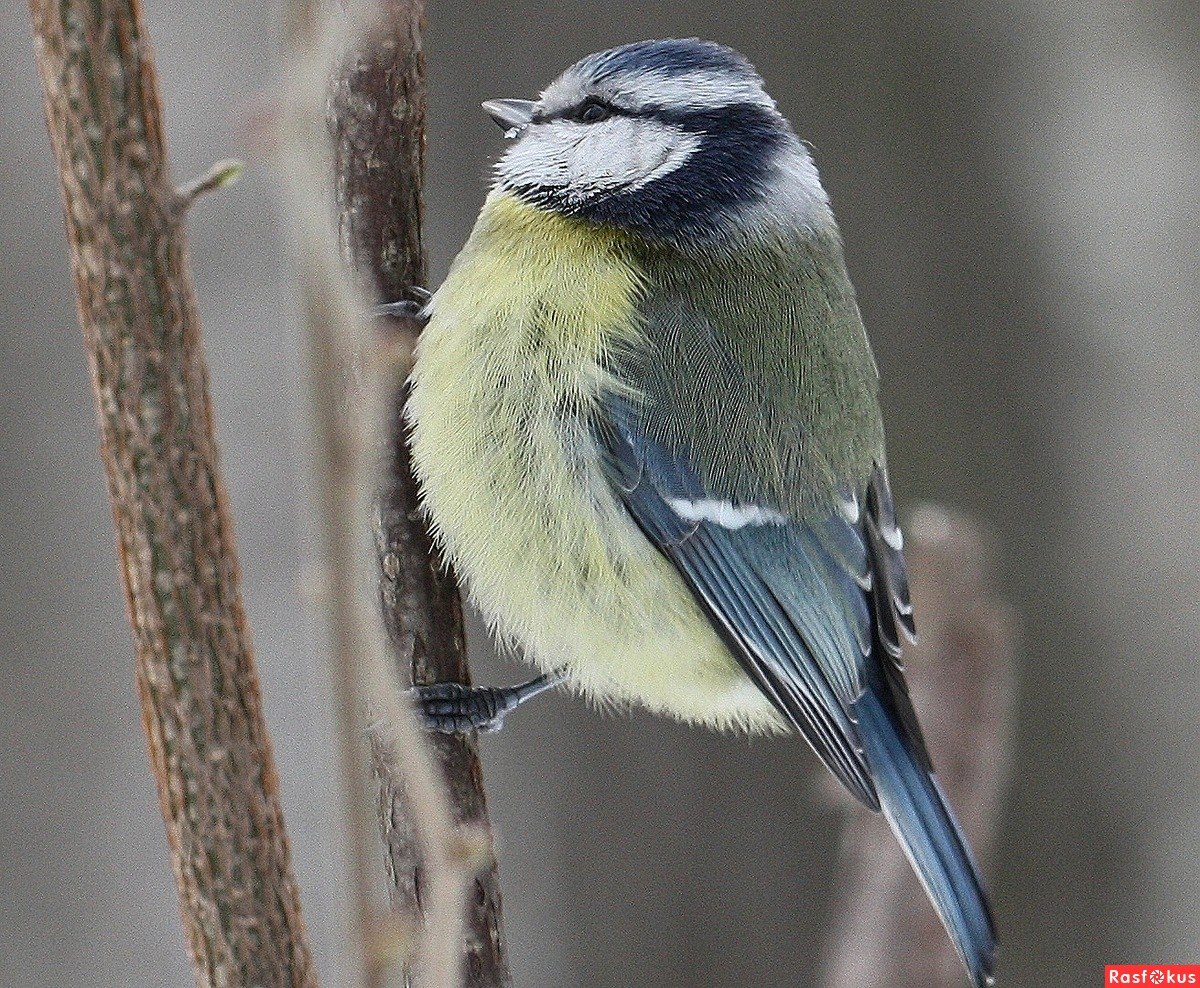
{"x":961,"y":677}
{"x":199,"y":691}
{"x":348,"y":421}
{"x":378,"y":121}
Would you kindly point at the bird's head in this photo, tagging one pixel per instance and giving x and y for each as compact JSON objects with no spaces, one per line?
{"x":672,"y":139}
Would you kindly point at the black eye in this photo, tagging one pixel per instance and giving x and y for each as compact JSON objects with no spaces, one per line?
{"x":593,"y":112}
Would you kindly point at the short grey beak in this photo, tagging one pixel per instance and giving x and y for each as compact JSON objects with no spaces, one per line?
{"x":513,"y":115}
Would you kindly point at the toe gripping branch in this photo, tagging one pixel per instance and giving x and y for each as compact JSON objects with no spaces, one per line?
{"x":452,"y":708}
{"x":412,"y":306}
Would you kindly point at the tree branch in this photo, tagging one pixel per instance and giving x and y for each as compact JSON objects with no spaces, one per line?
{"x":353,"y":379}
{"x":201,"y":705}
{"x":378,"y":123}
{"x":961,"y":675}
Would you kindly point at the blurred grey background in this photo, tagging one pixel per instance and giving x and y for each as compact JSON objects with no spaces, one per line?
{"x":1017,"y":184}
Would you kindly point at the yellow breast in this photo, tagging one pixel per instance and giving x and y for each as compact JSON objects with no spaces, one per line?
{"x":507,"y":373}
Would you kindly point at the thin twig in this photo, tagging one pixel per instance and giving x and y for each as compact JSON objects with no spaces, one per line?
{"x":221,"y":174}
{"x":201,"y":704}
{"x":377,"y":117}
{"x":348,"y":423}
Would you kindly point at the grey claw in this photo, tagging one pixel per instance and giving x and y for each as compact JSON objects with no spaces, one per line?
{"x":411,"y":306}
{"x":404,"y":309}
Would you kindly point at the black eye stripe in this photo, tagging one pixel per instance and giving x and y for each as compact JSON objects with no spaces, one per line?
{"x":593,"y":113}
{"x":590,"y":110}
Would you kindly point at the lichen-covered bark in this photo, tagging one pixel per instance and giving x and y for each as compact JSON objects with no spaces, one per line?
{"x":201,"y":706}
{"x":378,"y":122}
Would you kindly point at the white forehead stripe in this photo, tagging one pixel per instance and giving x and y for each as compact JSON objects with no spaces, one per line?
{"x":725,"y":513}
{"x":701,"y":90}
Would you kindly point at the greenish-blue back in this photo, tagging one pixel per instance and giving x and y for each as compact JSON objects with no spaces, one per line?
{"x":756,"y":367}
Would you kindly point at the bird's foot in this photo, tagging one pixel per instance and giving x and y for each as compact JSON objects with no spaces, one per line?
{"x":452,"y":708}
{"x":411,"y":306}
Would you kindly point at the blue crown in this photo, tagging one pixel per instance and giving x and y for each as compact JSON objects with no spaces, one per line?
{"x":668,"y":57}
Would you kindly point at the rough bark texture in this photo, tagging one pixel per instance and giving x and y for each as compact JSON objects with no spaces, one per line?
{"x":378,"y":122}
{"x":201,"y":706}
{"x":961,"y":674}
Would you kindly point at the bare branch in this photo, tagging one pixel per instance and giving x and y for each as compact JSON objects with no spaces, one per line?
{"x":378,"y":121}
{"x":449,"y":845}
{"x":961,"y":676}
{"x":201,"y":706}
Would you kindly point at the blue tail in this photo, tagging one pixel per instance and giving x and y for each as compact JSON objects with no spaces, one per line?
{"x":918,"y":812}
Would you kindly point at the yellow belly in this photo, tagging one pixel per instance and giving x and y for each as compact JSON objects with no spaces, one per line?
{"x":506,"y":371}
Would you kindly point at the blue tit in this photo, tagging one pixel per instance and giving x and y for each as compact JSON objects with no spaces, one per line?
{"x":646,"y":427}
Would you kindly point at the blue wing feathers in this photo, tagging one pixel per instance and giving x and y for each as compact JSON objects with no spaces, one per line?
{"x":893,"y":612}
{"x":784,"y":658}
{"x":918,"y":812}
{"x":719,"y":567}
{"x":816,"y":611}
{"x":880,"y":523}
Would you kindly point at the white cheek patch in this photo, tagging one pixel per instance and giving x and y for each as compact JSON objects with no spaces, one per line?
{"x":619,"y":153}
{"x":725,"y":513}
{"x":663,"y":152}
